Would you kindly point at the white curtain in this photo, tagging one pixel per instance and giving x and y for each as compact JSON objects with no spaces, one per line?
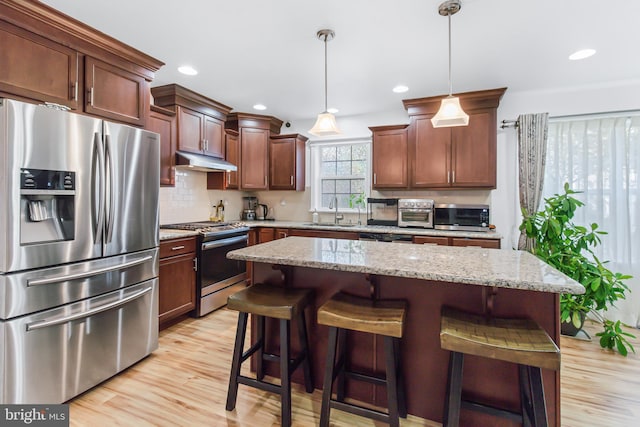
{"x":600,"y":156}
{"x":532,"y":148}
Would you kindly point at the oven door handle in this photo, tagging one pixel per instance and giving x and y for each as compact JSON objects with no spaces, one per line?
{"x":224,"y":242}
{"x":105,"y":307}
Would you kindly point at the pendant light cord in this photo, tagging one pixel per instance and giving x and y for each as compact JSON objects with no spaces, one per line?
{"x":450,"y":86}
{"x":325,"y":73}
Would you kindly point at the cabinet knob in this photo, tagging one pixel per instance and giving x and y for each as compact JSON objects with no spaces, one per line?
{"x":375,"y":178}
{"x":177,"y":248}
{"x":291,"y":180}
{"x":91,"y":96}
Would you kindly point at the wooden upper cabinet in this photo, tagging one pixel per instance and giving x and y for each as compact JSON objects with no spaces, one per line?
{"x":473,"y":156}
{"x":47,"y":56}
{"x":213,"y":133}
{"x":114,"y":93}
{"x":163,"y":122}
{"x":232,"y":152}
{"x":286,"y":162}
{"x":455,"y":157}
{"x":254,"y":152}
{"x":200,"y":120}
{"x":37,"y":68}
{"x":430,"y":154}
{"x":254,"y":132}
{"x":389,"y":156}
{"x":190,"y":130}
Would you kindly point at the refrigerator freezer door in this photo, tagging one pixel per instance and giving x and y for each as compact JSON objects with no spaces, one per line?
{"x":29,"y":291}
{"x":40,"y":138}
{"x":54,"y":355}
{"x":132,"y":186}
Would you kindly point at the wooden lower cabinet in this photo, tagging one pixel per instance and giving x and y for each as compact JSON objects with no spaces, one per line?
{"x":457,"y":241}
{"x":483,"y":243}
{"x":177,"y":290}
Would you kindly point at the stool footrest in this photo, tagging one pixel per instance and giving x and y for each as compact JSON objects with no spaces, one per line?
{"x":492,"y":410}
{"x":262,"y":385}
{"x":360,"y":410}
{"x":247,"y":354}
{"x":372,"y":379}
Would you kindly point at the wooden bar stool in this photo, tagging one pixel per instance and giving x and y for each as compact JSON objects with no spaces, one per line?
{"x":344,"y":312}
{"x":520,"y":341}
{"x":285,"y":304}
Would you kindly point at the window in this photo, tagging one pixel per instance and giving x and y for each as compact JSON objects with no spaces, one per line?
{"x":600,"y":156}
{"x":339,"y":170}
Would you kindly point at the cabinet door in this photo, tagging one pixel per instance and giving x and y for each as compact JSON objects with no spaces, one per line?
{"x":37,"y":68}
{"x":282,"y":164}
{"x":389,"y":159}
{"x":177,"y":288}
{"x":232,"y":155}
{"x":190,"y":130}
{"x":431,"y":152}
{"x":483,"y":243}
{"x":165,"y":125}
{"x":114,"y":93}
{"x":431,"y":240}
{"x":266,"y":235}
{"x":474,"y":152}
{"x":213,"y":132}
{"x":254,"y":149}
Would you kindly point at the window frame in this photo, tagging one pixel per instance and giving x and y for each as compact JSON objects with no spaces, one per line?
{"x":315,"y":169}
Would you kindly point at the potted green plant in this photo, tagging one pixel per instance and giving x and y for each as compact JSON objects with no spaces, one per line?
{"x":569,"y":248}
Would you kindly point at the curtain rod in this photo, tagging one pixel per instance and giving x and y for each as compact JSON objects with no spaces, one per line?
{"x":514,"y":123}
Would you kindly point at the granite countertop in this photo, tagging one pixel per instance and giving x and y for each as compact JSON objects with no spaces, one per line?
{"x":375,"y":229}
{"x":475,"y":266}
{"x":166,"y":234}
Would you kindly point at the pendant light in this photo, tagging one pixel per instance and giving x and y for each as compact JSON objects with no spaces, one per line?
{"x":326,"y":123}
{"x":450,"y":113}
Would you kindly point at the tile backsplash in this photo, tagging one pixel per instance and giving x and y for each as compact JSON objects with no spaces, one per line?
{"x":190,"y":200}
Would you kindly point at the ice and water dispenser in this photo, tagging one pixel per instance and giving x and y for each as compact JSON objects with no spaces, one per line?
{"x":47,"y":205}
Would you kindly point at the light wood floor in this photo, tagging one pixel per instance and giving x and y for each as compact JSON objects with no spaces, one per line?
{"x":184,"y":383}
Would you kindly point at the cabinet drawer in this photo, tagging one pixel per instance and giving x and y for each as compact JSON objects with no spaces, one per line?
{"x":483,"y":243}
{"x":431,"y":240}
{"x":175,"y":247}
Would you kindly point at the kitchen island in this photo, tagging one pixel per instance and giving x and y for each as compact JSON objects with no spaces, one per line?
{"x":496,"y":282}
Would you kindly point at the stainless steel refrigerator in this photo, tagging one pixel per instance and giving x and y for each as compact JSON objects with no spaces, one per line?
{"x":78,"y":251}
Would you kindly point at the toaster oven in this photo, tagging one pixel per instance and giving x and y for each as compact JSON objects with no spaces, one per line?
{"x":415,"y":213}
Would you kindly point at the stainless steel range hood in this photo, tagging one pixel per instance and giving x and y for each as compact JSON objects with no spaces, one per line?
{"x":202,"y":163}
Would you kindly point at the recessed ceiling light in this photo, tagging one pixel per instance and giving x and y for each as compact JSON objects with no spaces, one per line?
{"x":400,"y":89}
{"x":188,"y":70}
{"x":332,"y":110}
{"x":582,"y":54}
{"x":259,"y":107}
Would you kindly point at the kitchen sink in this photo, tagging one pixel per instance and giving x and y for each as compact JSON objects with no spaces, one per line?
{"x":328,"y":224}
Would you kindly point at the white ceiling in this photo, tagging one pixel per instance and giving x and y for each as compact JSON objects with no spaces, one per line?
{"x":266,"y":51}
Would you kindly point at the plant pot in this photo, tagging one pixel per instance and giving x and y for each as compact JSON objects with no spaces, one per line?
{"x":568,"y":328}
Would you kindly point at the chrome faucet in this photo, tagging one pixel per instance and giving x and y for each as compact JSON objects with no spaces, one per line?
{"x":334,"y":204}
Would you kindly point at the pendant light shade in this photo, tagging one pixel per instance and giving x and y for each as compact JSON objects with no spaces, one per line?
{"x":326,"y":122}
{"x":450,"y":113}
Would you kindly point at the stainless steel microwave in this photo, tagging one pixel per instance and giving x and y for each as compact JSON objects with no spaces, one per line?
{"x":461,"y":217}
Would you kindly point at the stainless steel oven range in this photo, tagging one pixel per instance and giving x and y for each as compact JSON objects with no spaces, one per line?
{"x":217,"y":276}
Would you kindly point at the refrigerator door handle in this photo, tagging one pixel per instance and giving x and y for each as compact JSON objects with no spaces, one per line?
{"x":110,"y":193}
{"x":98,"y":187}
{"x":105,"y":307}
{"x":84,"y":274}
